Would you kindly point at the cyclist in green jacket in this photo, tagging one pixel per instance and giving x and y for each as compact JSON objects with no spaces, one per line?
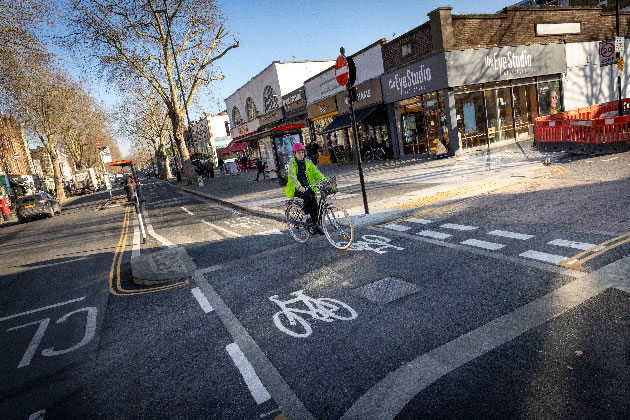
{"x":302,"y":173}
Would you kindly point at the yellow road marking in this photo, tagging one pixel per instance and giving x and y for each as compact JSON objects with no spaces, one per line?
{"x":117,"y":261}
{"x":578,"y":264}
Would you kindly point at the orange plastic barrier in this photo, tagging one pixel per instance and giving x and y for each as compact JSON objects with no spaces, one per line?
{"x":585,"y":125}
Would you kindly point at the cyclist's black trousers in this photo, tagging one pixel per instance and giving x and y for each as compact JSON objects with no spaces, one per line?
{"x":310,"y":203}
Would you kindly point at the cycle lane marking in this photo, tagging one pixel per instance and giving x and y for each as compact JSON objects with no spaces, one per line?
{"x":43,"y":308}
{"x":255,"y":386}
{"x":391,"y":394}
{"x":277,"y":387}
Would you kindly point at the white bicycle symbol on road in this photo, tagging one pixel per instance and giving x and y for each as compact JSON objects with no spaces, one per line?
{"x":323,"y":309}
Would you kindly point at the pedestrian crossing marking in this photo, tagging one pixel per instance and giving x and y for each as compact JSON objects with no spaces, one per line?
{"x":483,"y":244}
{"x":434,"y":234}
{"x":457,"y":227}
{"x":420,"y":221}
{"x":513,"y":235}
{"x":543,"y":256}
{"x":399,"y":228}
{"x":571,"y":244}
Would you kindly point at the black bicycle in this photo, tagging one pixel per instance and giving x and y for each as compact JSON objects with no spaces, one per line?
{"x":334,"y":220}
{"x":373,"y":152}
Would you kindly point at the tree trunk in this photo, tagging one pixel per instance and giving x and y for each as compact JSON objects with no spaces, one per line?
{"x":164,"y":161}
{"x":177,"y":119}
{"x":59,"y":192}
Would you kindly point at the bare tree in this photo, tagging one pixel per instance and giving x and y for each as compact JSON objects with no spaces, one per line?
{"x":144,"y":118}
{"x":131,"y":37}
{"x":40,"y":95}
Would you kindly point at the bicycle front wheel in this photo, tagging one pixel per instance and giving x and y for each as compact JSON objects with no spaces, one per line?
{"x":337,"y":226}
{"x":296,"y":223}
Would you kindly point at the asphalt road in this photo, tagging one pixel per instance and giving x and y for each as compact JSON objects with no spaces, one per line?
{"x":460,"y":310}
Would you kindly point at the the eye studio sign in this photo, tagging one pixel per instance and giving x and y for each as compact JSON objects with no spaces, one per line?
{"x":418,"y":78}
{"x":510,"y":64}
{"x":467,"y":67}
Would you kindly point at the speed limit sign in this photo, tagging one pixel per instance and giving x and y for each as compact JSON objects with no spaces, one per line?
{"x":606,"y":53}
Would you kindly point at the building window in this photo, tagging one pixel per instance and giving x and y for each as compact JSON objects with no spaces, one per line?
{"x":270,"y":99}
{"x":252,"y":112}
{"x":406,"y":49}
{"x":236,"y":116}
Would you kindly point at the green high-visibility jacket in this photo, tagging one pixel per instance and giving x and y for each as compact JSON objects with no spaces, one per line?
{"x":312,"y":175}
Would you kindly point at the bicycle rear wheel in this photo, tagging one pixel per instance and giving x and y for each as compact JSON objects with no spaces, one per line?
{"x":337,"y":226}
{"x":296,"y":222}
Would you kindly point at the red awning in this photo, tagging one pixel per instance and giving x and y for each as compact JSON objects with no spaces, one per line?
{"x":234,"y":147}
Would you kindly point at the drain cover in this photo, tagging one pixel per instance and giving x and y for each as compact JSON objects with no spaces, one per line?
{"x":386,"y":290}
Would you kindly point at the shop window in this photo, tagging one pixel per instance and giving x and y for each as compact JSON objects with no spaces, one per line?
{"x":499,"y":114}
{"x":407,"y":49}
{"x":471,"y":119}
{"x":236,"y":117}
{"x":270,"y":99}
{"x":525,"y":109}
{"x":550,"y":98}
{"x":252,"y":112}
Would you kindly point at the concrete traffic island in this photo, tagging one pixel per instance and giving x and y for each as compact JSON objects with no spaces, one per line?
{"x":171,"y":264}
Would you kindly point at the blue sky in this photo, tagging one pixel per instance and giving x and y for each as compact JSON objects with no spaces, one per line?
{"x":302,"y":30}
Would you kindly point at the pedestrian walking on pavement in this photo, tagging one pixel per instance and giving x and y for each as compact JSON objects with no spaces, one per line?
{"x":260,"y":165}
{"x":221,"y":166}
{"x":244,"y":162}
{"x":312,"y":150}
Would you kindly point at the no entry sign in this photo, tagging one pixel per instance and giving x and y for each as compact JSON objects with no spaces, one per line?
{"x":342,"y":72}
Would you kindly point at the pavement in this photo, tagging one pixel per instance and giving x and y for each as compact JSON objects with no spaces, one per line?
{"x":393,"y":187}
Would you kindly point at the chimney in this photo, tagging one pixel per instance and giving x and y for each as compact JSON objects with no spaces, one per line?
{"x":442,"y":29}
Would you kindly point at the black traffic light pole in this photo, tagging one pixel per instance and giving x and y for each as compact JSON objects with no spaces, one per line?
{"x":619,"y":66}
{"x":351,"y":93}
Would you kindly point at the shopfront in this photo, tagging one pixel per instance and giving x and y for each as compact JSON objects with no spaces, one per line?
{"x":419,"y":99}
{"x":499,"y":92}
{"x":370,"y":116}
{"x":321,"y":114}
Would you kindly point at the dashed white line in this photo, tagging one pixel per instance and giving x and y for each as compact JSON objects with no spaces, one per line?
{"x":420,"y":221}
{"x":571,"y":244}
{"x":203,"y":301}
{"x":483,"y":244}
{"x":187,"y":211}
{"x":269,"y":232}
{"x":257,"y":389}
{"x":513,"y":235}
{"x":457,"y":227}
{"x":543,"y":256}
{"x":229,"y":232}
{"x":434,"y":234}
{"x":399,"y":228}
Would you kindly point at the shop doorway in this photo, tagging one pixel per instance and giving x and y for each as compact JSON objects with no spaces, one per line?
{"x":435,"y":123}
{"x":525,"y":110}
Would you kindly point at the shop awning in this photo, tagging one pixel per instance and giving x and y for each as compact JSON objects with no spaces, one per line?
{"x":343,"y":120}
{"x":234,"y":147}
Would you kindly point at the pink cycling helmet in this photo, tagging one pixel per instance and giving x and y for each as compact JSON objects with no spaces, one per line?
{"x":298,"y":146}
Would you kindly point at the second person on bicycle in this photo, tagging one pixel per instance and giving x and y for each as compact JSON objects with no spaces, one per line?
{"x":302,"y":173}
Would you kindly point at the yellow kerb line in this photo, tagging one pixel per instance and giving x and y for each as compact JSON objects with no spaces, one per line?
{"x":577,"y":264}
{"x":118,"y":255}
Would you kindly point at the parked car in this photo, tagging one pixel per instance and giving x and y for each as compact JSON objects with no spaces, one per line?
{"x":37,"y":205}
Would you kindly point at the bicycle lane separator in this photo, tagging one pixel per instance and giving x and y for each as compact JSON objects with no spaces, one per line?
{"x":269,"y":376}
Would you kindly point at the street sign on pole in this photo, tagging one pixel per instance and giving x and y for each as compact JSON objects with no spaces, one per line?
{"x":619,"y":44}
{"x":606,"y":53}
{"x":342,"y":72}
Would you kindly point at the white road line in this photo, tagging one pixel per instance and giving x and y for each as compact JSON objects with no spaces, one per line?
{"x":135,"y":250}
{"x":229,"y":232}
{"x":608,"y":160}
{"x":203,"y":301}
{"x":483,"y":244}
{"x":258,"y":390}
{"x":571,"y":244}
{"x":269,"y":232}
{"x":543,"y":256}
{"x":209,"y":269}
{"x":421,"y":221}
{"x":457,"y":227}
{"x":513,"y":235}
{"x":399,"y":228}
{"x":188,"y":211}
{"x":161,"y":205}
{"x":159,"y":238}
{"x":434,"y":234}
{"x":41,"y":309}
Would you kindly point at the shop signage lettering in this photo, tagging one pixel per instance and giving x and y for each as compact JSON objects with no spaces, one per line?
{"x":510,"y":63}
{"x":293,"y":98}
{"x":410,"y":79}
